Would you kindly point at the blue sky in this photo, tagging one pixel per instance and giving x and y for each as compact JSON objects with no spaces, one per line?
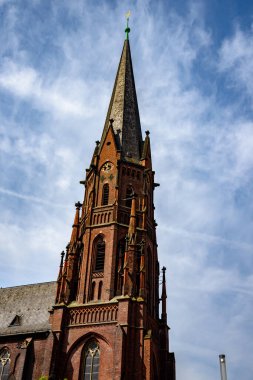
{"x":193,"y":64}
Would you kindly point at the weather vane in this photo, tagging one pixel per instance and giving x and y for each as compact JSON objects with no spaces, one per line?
{"x":127,"y":30}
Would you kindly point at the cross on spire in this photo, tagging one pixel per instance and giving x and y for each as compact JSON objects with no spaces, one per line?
{"x":127,"y":30}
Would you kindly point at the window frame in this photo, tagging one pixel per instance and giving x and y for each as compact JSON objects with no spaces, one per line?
{"x":99,"y":248}
{"x":105,"y":194}
{"x":91,"y":350}
{"x":129,"y":195}
{"x":5,"y":361}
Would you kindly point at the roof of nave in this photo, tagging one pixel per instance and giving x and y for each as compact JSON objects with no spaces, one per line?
{"x":24,"y":309}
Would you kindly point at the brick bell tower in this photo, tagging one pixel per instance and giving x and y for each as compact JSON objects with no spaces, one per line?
{"x":105,"y":320}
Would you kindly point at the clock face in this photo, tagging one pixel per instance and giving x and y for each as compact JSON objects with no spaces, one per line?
{"x":107,"y":166}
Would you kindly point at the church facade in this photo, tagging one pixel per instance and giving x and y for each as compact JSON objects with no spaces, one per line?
{"x":100,"y":320}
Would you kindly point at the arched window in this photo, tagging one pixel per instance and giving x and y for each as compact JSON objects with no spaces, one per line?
{"x":105,"y":194}
{"x":4,"y":364}
{"x":91,"y":361}
{"x":100,"y":255}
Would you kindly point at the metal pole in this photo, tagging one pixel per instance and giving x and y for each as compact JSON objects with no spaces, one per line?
{"x":223,"y":372}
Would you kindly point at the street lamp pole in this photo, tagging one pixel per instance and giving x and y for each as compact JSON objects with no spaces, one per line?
{"x":223,"y":371}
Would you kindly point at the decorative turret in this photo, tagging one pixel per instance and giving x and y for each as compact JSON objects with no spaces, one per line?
{"x":67,"y":278}
{"x":60,"y":279}
{"x":146,"y":151}
{"x":75,"y":226}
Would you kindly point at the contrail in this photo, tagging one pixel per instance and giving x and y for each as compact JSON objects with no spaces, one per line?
{"x":29,"y":198}
{"x":207,"y":238}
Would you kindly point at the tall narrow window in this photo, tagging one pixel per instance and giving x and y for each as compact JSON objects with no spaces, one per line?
{"x":4,"y":364}
{"x":129,"y":193}
{"x":149,"y":278}
{"x":105,"y":194}
{"x":93,"y":287}
{"x":100,"y":287}
{"x":100,"y":255}
{"x":91,"y":361}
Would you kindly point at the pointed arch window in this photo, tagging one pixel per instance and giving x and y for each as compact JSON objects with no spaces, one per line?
{"x":105,"y":194}
{"x":91,"y":361}
{"x":5,"y":361}
{"x":100,"y":255}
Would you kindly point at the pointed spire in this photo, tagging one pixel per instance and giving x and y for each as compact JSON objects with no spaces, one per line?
{"x":164,"y":296}
{"x":124,"y":110}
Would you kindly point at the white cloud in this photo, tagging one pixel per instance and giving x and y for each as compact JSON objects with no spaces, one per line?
{"x":236,"y":59}
{"x":201,"y":154}
{"x":25,"y":82}
{"x":29,"y":250}
{"x":244,"y":148}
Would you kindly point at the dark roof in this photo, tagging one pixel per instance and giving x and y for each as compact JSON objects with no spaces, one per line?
{"x":124,"y":110}
{"x":29,"y":302}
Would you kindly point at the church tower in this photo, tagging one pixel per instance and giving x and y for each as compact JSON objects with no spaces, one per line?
{"x":106,"y":322}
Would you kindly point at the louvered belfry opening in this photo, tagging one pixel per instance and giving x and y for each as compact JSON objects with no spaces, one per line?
{"x":105,"y":196}
{"x":100,"y":255}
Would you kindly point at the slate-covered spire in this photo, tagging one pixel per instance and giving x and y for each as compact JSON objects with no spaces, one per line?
{"x":123,"y":109}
